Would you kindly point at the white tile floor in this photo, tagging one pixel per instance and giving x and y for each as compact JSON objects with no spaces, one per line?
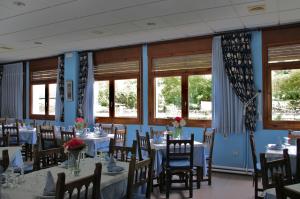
{"x":224,"y":186}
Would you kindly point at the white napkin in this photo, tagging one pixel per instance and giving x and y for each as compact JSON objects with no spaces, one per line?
{"x":295,"y":132}
{"x":49,"y":189}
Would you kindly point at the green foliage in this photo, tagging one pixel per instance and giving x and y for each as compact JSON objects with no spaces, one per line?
{"x":127,"y":98}
{"x":171,"y":91}
{"x":103,"y":97}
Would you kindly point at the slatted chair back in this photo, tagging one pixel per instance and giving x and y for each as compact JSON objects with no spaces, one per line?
{"x":67,"y":135}
{"x":4,"y":162}
{"x":253,"y":152}
{"x":157,"y":133}
{"x":209,"y":139}
{"x":48,"y":139}
{"x":3,"y":120}
{"x":272,"y":167}
{"x":48,"y":158}
{"x":120,"y":136}
{"x":80,"y":187}
{"x":180,"y":149}
{"x":140,"y":173}
{"x":12,"y":134}
{"x":297,"y":178}
{"x":107,"y":128}
{"x":11,"y":120}
{"x":143,"y":144}
{"x":122,"y":153}
{"x":4,"y":138}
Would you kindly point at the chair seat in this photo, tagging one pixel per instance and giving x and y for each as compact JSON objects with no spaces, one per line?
{"x":270,"y":194}
{"x":182,"y":163}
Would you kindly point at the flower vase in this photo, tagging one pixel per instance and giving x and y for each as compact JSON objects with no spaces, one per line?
{"x":177,"y":133}
{"x":74,"y":162}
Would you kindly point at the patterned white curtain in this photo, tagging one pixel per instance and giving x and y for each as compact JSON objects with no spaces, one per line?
{"x":59,"y":99}
{"x":88,"y":100}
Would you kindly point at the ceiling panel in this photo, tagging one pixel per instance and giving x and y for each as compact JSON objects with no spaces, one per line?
{"x":288,"y":4}
{"x":226,"y":24}
{"x":218,"y":13}
{"x":289,"y":16}
{"x":260,"y":20}
{"x":183,"y":18}
{"x":270,"y":6}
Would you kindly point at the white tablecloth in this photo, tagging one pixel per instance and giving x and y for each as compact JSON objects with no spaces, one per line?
{"x":95,"y":143}
{"x":15,"y":156}
{"x":160,"y":156}
{"x":35,"y":181}
{"x":28,"y":136}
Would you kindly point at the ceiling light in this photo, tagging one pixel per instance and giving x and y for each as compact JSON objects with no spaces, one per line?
{"x":259,"y":8}
{"x":97,"y":32}
{"x":19,"y":3}
{"x":151,"y":24}
{"x":38,"y":43}
{"x":5,"y":48}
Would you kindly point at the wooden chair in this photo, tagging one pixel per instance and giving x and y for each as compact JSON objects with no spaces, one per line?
{"x":4,"y":139}
{"x":157,"y":133}
{"x":4,"y":162}
{"x":143,"y":144}
{"x":48,"y":158}
{"x":12,"y":134}
{"x":256,"y":167}
{"x":140,"y":173}
{"x":81,"y":185}
{"x":282,"y":191}
{"x":278,"y":166}
{"x":3,"y":120}
{"x":122,"y":153}
{"x":67,"y":135}
{"x":48,"y":139}
{"x":120,"y":136}
{"x":297,"y":177}
{"x":180,"y":162}
{"x":208,"y":141}
{"x":107,"y":128}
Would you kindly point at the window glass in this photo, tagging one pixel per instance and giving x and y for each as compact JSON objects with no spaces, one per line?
{"x":38,"y":99}
{"x":200,"y":94}
{"x":167,"y":97}
{"x":126,"y":98}
{"x":52,"y":95}
{"x":101,"y":98}
{"x":286,"y":95}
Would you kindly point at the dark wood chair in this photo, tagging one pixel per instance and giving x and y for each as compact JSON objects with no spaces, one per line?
{"x":107,"y":128}
{"x":180,"y":162}
{"x":256,"y":167}
{"x":48,"y":139}
{"x":143,"y":144}
{"x":208,"y":140}
{"x":279,"y":166}
{"x":67,"y":135}
{"x":140,"y":174}
{"x":81,"y":186}
{"x":48,"y":158}
{"x":4,"y":162}
{"x":120,"y":136}
{"x":4,"y":139}
{"x":157,"y":132}
{"x":11,"y":133}
{"x":282,"y":191}
{"x":3,"y":120}
{"x":122,"y":153}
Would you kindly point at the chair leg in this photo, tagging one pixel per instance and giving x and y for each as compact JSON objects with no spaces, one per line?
{"x":199,"y":173}
{"x":255,"y":186}
{"x":168,"y":182}
{"x":209,"y":174}
{"x":191,"y":184}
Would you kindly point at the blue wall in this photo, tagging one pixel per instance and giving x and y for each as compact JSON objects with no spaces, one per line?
{"x":230,"y":151}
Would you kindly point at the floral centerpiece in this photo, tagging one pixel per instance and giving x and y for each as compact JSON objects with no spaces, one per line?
{"x":80,"y":123}
{"x":73,"y":147}
{"x":178,"y":123}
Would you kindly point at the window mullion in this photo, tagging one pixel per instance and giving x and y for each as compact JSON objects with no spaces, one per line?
{"x":111,"y":98}
{"x":184,"y":96}
{"x":47,"y":99}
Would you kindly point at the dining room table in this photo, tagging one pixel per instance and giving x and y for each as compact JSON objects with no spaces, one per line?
{"x":14,"y":154}
{"x":27,"y":134}
{"x":33,"y":185}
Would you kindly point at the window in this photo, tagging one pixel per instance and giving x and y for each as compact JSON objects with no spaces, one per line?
{"x":180,"y":82}
{"x":281,"y":50}
{"x":43,"y":75}
{"x":117,"y":85}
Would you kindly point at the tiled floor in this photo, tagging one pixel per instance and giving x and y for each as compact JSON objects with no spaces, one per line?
{"x":224,"y":186}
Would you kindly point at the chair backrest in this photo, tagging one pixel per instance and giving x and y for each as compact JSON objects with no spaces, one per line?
{"x":12,"y":134}
{"x":209,"y":140}
{"x":81,"y":185}
{"x":272,"y":167}
{"x":298,"y":161}
{"x":139,"y":174}
{"x":120,"y":136}
{"x":180,"y":149}
{"x":3,"y":120}
{"x":122,"y":153}
{"x":5,"y":159}
{"x":47,"y":135}
{"x":253,"y":152}
{"x":48,"y":158}
{"x":67,"y":135}
{"x":143,"y":144}
{"x":107,"y":128}
{"x":157,"y":132}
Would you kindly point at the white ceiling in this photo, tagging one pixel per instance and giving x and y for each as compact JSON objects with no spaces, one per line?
{"x":73,"y":25}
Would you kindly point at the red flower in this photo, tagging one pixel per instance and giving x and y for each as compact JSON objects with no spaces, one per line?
{"x":178,"y":119}
{"x":79,"y":120}
{"x":74,"y":143}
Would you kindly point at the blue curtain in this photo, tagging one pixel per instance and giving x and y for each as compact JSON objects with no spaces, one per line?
{"x":88,"y":100}
{"x":227,"y":116}
{"x":59,"y":100}
{"x":12,"y":91}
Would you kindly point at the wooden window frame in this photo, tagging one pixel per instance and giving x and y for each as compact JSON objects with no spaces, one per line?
{"x":180,"y":47}
{"x":114,"y":55}
{"x":39,"y":65}
{"x":272,"y":37}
